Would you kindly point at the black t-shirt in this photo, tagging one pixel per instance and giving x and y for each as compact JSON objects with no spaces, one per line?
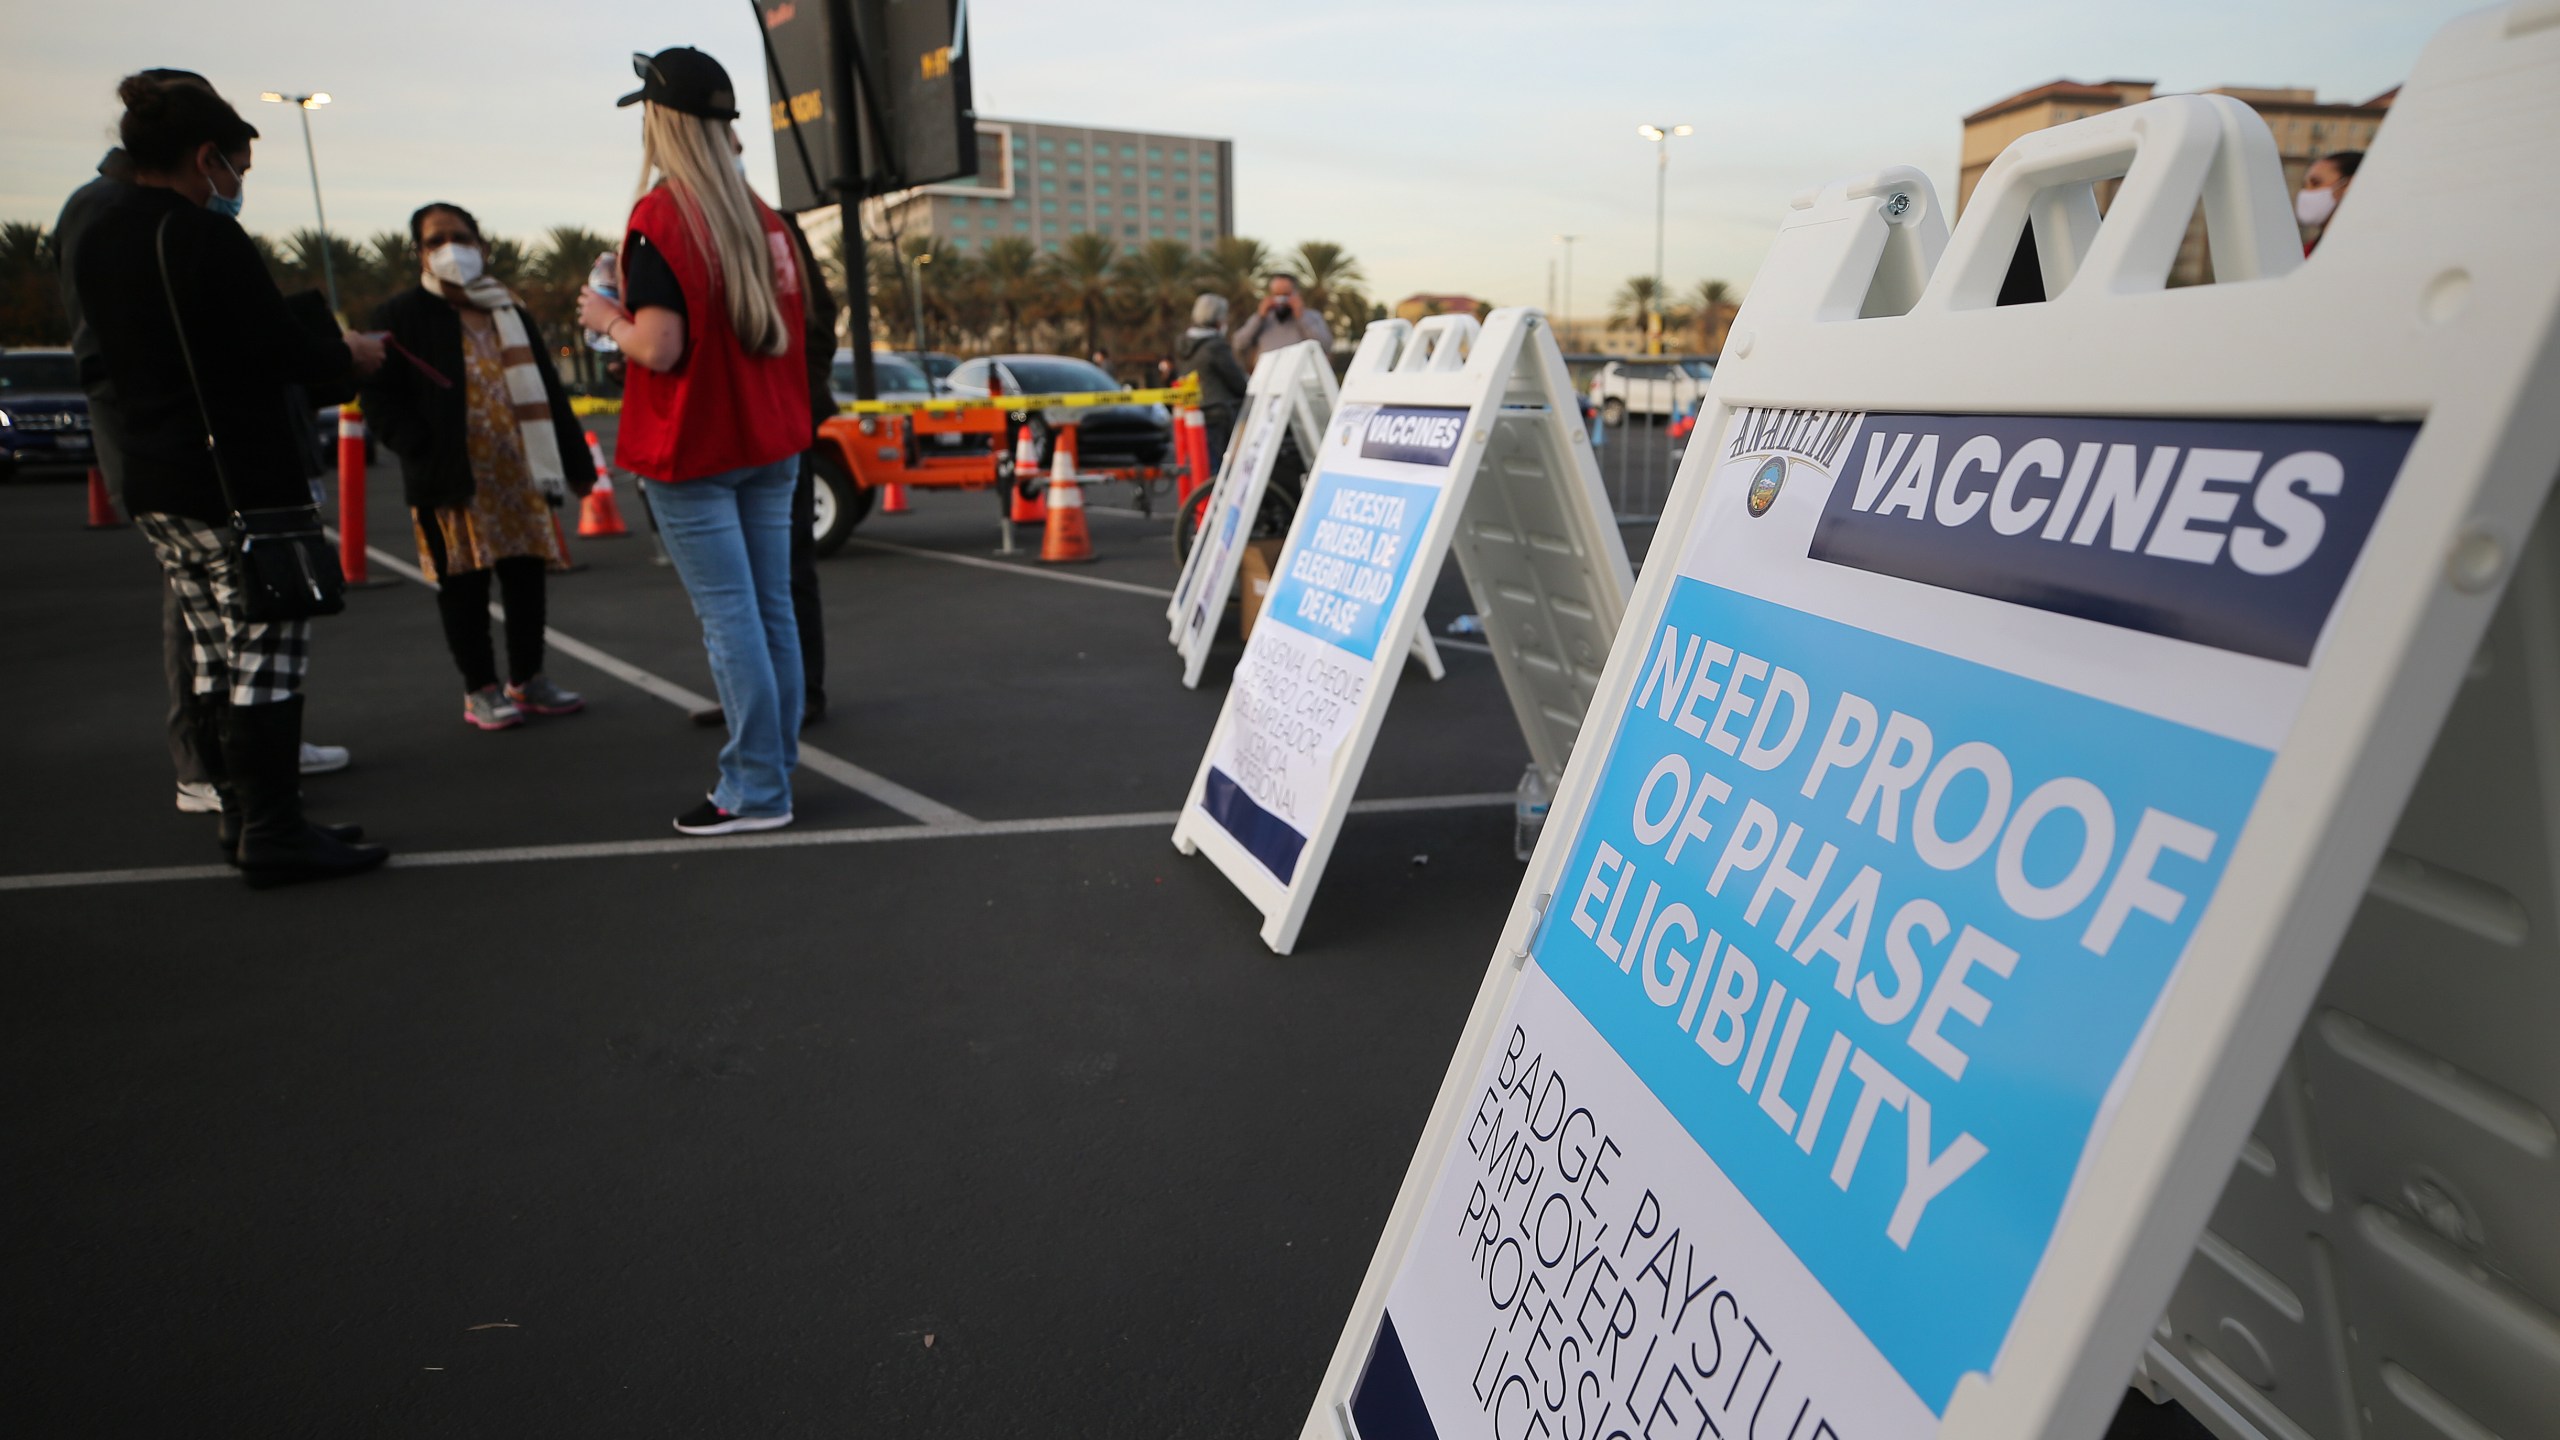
{"x":648,"y":281}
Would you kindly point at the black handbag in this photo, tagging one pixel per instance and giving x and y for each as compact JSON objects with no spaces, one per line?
{"x":288,"y":570}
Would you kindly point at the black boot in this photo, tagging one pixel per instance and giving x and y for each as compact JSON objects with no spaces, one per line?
{"x":262,"y":750}
{"x":204,"y":712}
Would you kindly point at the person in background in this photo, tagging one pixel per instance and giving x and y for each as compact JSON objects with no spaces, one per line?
{"x":1282,"y":319}
{"x":1204,"y":352}
{"x":487,"y":444}
{"x":191,"y":154}
{"x":2324,"y":188}
{"x":192,"y":743}
{"x":716,"y":414}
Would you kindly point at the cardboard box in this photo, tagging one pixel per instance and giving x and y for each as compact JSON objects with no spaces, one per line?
{"x":1254,"y":569}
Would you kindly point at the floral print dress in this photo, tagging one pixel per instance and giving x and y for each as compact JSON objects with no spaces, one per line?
{"x":507,"y":516}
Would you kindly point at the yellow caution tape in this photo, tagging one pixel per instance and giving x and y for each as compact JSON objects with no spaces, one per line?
{"x":1186,"y":393}
{"x":583,"y":405}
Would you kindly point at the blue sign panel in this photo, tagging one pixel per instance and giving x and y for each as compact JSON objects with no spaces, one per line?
{"x":1343,"y":575}
{"x":1879,"y":927}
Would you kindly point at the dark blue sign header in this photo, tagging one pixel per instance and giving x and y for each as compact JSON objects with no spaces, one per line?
{"x":2237,"y":534}
{"x":1413,"y":434}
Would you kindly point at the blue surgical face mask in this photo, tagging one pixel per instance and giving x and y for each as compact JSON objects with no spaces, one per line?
{"x":221,"y":204}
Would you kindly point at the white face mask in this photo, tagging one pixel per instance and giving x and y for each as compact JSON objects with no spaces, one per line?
{"x":738,"y":162}
{"x":455,"y":263}
{"x":2314,"y":207}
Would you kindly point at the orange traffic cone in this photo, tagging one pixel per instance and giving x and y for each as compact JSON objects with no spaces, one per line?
{"x":102,"y":510}
{"x":599,"y":516}
{"x":1027,"y":508}
{"x":1065,"y":540}
{"x":893,"y":499}
{"x":1191,"y":454}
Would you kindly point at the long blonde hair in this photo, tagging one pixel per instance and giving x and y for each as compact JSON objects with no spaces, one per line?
{"x":692,"y":155}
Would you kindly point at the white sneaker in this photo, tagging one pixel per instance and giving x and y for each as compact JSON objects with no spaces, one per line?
{"x":321,"y":759}
{"x":196,"y":797}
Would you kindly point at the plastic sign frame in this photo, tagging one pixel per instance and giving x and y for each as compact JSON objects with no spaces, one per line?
{"x":2430,"y":316}
{"x":1447,"y":436}
{"x":1290,"y":394}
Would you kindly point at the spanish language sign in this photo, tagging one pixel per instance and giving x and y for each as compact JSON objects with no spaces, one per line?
{"x":1933,"y":761}
{"x":1306,"y":672}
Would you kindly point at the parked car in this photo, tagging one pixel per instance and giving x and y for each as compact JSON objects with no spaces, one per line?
{"x":44,"y":416}
{"x":1105,"y":434}
{"x":893,"y":372}
{"x":1649,"y":387}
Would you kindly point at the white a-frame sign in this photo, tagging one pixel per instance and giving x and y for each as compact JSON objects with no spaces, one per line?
{"x":1291,"y":395}
{"x":2003,"y":736}
{"x":1446,"y":437}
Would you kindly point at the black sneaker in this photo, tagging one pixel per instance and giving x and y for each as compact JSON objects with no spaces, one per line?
{"x":709,"y":819}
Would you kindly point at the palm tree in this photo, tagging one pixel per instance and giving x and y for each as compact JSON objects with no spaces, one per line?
{"x":1234,"y":267}
{"x":304,"y":251}
{"x":1348,"y":314}
{"x":1715,"y":305}
{"x":508,"y":259}
{"x":391,"y":257}
{"x":30,"y":291}
{"x":1322,"y":265}
{"x":556,"y":272}
{"x":1010,"y":265}
{"x":1634,"y":301}
{"x":1160,"y":278}
{"x":1080,"y":280}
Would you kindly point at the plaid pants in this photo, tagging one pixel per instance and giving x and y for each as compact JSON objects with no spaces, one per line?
{"x":258,"y":662}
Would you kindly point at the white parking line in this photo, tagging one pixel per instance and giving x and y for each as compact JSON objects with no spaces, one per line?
{"x":768,"y":840}
{"x":1028,"y":572}
{"x":835,"y":767}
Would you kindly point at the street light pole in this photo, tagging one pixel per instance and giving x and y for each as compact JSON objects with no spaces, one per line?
{"x":1660,"y":135}
{"x":1567,"y":312}
{"x":915,"y":293}
{"x":306,"y":104}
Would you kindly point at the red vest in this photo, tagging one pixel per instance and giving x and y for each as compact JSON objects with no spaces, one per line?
{"x":720,"y":408}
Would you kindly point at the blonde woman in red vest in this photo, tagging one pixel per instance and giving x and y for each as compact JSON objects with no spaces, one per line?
{"x":715,"y":414}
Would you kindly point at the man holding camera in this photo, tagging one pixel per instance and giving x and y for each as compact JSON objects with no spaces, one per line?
{"x":1282,"y":320}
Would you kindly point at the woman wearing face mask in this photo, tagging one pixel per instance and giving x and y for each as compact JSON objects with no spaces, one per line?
{"x":2322,"y":189}
{"x":715,"y":415}
{"x":486,"y":439}
{"x":170,"y":239}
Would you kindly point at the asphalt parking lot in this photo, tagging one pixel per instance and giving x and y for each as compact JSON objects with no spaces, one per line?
{"x":965,"y":1107}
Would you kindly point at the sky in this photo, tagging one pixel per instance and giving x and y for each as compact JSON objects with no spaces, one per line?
{"x":1448,"y":145}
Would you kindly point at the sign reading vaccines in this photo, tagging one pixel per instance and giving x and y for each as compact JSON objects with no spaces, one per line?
{"x":1935,"y":756}
{"x":1299,"y":690}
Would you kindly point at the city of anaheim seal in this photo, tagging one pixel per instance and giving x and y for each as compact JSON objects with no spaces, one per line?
{"x":1764,"y":487}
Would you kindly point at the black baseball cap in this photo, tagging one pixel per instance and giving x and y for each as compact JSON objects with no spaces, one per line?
{"x":683,"y":78}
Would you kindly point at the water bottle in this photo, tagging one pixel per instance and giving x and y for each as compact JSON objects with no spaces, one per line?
{"x":1528,"y":812}
{"x":604,"y":278}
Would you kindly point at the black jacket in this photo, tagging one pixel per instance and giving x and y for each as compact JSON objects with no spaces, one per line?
{"x":425,"y":424}
{"x":818,"y":321}
{"x":1207,"y":354}
{"x":248,"y":349}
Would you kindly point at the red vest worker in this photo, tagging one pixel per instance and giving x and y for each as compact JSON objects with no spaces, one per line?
{"x":715,"y":415}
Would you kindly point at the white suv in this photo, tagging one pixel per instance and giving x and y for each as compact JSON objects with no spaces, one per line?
{"x":1649,"y":387}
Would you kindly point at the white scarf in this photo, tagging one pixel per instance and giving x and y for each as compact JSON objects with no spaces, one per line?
{"x":535,"y":433}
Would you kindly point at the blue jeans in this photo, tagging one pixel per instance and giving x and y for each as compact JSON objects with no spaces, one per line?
{"x":730,"y":538}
